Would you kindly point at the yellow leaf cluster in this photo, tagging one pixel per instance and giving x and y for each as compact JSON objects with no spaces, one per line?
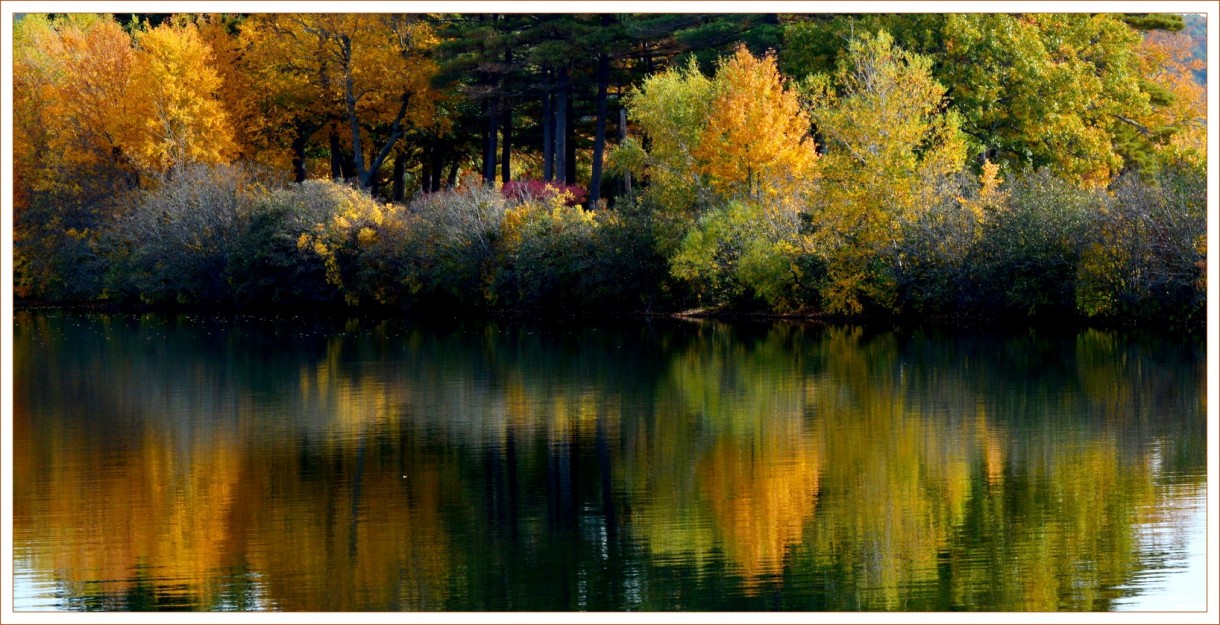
{"x":184,"y":119}
{"x":756,"y":139}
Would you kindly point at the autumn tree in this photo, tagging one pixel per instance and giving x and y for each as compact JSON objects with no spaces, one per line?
{"x":671,"y":110}
{"x":292,"y":103}
{"x":1045,"y":89}
{"x":1174,"y":128}
{"x":890,"y":147}
{"x":371,"y":71}
{"x":73,"y":79}
{"x":75,"y":137}
{"x":184,"y":121}
{"x":732,"y":157}
{"x":756,"y":139}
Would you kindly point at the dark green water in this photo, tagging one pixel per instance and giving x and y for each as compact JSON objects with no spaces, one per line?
{"x":219,"y":464}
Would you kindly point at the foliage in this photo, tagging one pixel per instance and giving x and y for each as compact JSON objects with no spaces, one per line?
{"x":671,"y":109}
{"x":547,"y":249}
{"x":892,"y":150}
{"x":1030,"y":252}
{"x":349,"y":226}
{"x":175,"y":80}
{"x":267,"y":268}
{"x":1045,"y":90}
{"x":1174,"y":129}
{"x":1146,"y":257}
{"x":755,"y":142}
{"x":542,"y":191}
{"x":938,"y":276}
{"x":462,"y":228}
{"x":876,"y":163}
{"x":173,"y":244}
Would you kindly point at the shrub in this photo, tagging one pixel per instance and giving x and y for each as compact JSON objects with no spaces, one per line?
{"x":546,"y":250}
{"x":173,"y":244}
{"x":937,"y":271}
{"x":1029,"y":252}
{"x":538,"y":191}
{"x":267,"y":266}
{"x":1146,"y":257}
{"x":459,"y":230}
{"x":347,"y":227}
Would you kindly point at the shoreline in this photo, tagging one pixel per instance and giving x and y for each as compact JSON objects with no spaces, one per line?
{"x":903,"y":321}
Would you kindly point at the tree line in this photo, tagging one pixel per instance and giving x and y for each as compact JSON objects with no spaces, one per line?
{"x":986,"y":165}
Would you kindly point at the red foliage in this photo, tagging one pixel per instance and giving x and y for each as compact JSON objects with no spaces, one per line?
{"x":539,"y":190}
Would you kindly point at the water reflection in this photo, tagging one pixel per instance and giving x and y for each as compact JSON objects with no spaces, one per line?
{"x":209,"y":463}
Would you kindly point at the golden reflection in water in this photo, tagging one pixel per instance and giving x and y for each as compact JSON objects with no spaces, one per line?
{"x":732,"y":452}
{"x":795,"y":451}
{"x":144,"y":508}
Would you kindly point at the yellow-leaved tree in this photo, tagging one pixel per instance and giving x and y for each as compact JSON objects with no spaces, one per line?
{"x":890,"y":147}
{"x":731,"y":167}
{"x":74,"y":133}
{"x":1176,"y":122}
{"x":365,"y":76}
{"x":73,"y":97}
{"x":179,"y":90}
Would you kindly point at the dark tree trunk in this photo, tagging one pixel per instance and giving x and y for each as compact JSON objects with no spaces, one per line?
{"x":453,"y":172}
{"x":425,"y":168}
{"x":437,"y":167}
{"x":368,"y":178}
{"x":298,"y":155}
{"x":400,"y":175}
{"x":506,"y":136}
{"x":548,"y":132}
{"x":349,"y":99}
{"x":599,"y":135}
{"x":569,"y":145}
{"x":561,"y":126}
{"x":489,"y":145}
{"x":506,"y":129}
{"x":622,"y":137}
{"x":336,"y":157}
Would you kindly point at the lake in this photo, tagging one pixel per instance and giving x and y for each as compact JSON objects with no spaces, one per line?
{"x":230,"y":463}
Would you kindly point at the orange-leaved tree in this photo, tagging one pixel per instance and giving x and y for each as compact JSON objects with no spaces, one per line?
{"x":754,"y":152}
{"x":756,"y":141}
{"x":74,"y":135}
{"x":178,"y":89}
{"x":369,"y":73}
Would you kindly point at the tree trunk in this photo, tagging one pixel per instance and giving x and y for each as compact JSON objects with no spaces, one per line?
{"x":622,"y":137}
{"x":506,"y":128}
{"x":336,"y":157}
{"x":453,"y":172}
{"x":400,"y":175}
{"x":489,"y":145}
{"x":349,"y":98}
{"x":425,"y":168}
{"x":548,"y":131}
{"x":561,"y":126}
{"x":438,"y":167}
{"x":365,"y":175}
{"x":369,"y":178}
{"x":599,"y":135}
{"x":506,"y":136}
{"x":298,"y":156}
{"x":569,"y":144}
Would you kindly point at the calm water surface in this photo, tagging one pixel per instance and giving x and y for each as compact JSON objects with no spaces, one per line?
{"x":238,"y":464}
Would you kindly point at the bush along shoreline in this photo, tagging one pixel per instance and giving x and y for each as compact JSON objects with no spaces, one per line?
{"x":1034,"y":250}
